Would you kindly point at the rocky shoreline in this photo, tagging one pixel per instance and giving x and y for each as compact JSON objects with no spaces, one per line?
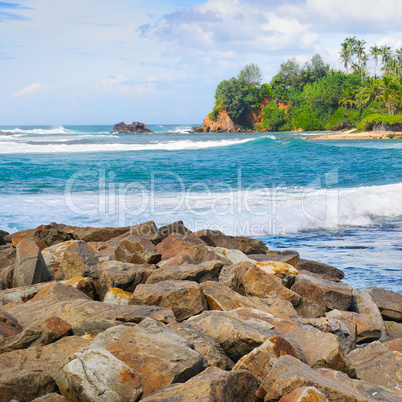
{"x":164,"y":314}
{"x":367,"y":135}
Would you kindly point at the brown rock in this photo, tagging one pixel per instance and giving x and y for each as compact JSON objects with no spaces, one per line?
{"x":25,"y":385}
{"x":215,"y":238}
{"x":392,"y":328}
{"x":282,"y":270}
{"x":138,"y":251}
{"x":6,"y":277}
{"x":7,"y":257}
{"x":221,"y":297}
{"x":84,"y":285}
{"x":54,"y":254}
{"x":30,"y":267}
{"x":102,"y":234}
{"x":59,"y":292}
{"x":320,"y":349}
{"x":237,"y":331}
{"x":206,"y":271}
{"x":395,"y":345}
{"x":94,"y":374}
{"x":305,"y":394}
{"x":205,"y":344}
{"x":185,"y":298}
{"x":146,"y":230}
{"x":9,"y":238}
{"x":326,"y":270}
{"x":309,"y":309}
{"x":389,"y":303}
{"x":117,"y":296}
{"x":159,"y":355}
{"x":175,"y":227}
{"x":290,"y":257}
{"x":3,"y":234}
{"x":222,"y":124}
{"x":328,"y":294}
{"x":125,"y":276}
{"x":246,"y":279}
{"x":78,"y":259}
{"x":250,"y":246}
{"x":33,"y":313}
{"x":8,"y":325}
{"x":213,"y":384}
{"x":90,"y":328}
{"x":261,"y":359}
{"x":376,"y":364}
{"x":46,"y":236}
{"x":289,"y":373}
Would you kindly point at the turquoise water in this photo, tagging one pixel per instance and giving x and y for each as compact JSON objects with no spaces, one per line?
{"x":339,"y":202}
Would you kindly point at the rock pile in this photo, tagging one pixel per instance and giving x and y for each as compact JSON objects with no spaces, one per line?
{"x":135,"y":128}
{"x":164,"y":314}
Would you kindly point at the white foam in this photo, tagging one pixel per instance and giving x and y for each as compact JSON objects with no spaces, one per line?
{"x":23,"y":147}
{"x":55,"y":130}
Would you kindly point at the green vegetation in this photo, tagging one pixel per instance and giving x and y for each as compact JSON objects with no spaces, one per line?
{"x":315,"y":96}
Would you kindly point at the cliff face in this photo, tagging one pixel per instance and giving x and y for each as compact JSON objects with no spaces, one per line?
{"x":224,"y":124}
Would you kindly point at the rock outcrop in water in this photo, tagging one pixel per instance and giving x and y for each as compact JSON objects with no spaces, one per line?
{"x":135,"y":128}
{"x":160,"y":314}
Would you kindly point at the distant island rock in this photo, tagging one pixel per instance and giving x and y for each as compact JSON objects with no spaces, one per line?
{"x":135,"y":128}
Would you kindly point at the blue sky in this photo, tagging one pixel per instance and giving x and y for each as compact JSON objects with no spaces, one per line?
{"x":159,"y":61}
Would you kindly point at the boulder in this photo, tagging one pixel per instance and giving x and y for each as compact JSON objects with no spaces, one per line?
{"x":84,"y":285}
{"x":33,"y":313}
{"x":289,"y":373}
{"x":248,"y":280}
{"x":94,"y":374}
{"x":326,"y":270}
{"x":215,"y":238}
{"x":249,"y":246}
{"x":389,"y":303}
{"x":205,"y":344}
{"x":159,"y":355}
{"x":221,"y":297}
{"x":392,"y":328}
{"x":8,"y":325}
{"x":185,"y":298}
{"x":53,"y":255}
{"x":164,"y":231}
{"x":46,"y":236}
{"x":101,"y":234}
{"x":309,"y":309}
{"x":376,"y":364}
{"x":7,"y":257}
{"x":237,"y":331}
{"x":53,"y":397}
{"x":261,"y":359}
{"x":88,"y":329}
{"x":282,"y":270}
{"x":22,"y":294}
{"x":9,"y":238}
{"x":394,"y":345}
{"x":319,"y":349}
{"x":30,"y":267}
{"x":135,"y":128}
{"x":290,"y":257}
{"x":125,"y":276}
{"x":6,"y":277}
{"x":25,"y":385}
{"x":206,"y":271}
{"x":328,"y":294}
{"x":305,"y":394}
{"x":3,"y":234}
{"x":78,"y":259}
{"x":137,"y":251}
{"x":58,"y":292}
{"x":213,"y":384}
{"x":117,"y":296}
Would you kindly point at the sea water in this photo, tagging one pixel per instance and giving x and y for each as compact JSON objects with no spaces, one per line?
{"x":339,"y":202}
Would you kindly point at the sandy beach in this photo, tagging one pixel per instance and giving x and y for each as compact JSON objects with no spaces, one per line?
{"x":366,"y":135}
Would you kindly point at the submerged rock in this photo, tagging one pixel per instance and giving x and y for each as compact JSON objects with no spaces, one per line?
{"x":135,"y":128}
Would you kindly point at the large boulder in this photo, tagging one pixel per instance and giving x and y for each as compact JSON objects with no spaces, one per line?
{"x":7,"y":257}
{"x":3,"y":234}
{"x":289,"y":373}
{"x":328,"y":271}
{"x":185,"y":298}
{"x":328,"y":294}
{"x":94,"y":374}
{"x":249,"y":246}
{"x":392,"y":328}
{"x":389,"y":303}
{"x":248,"y":280}
{"x":8,"y":325}
{"x":164,"y":231}
{"x":125,"y":276}
{"x":376,"y":364}
{"x":137,"y":251}
{"x":237,"y":331}
{"x":213,"y":384}
{"x":52,"y":397}
{"x":291,"y":257}
{"x":30,"y":267}
{"x":103,"y":234}
{"x":215,"y":238}
{"x":305,"y":394}
{"x":206,"y":271}
{"x":135,"y":128}
{"x":79,"y":259}
{"x":159,"y":355}
{"x":47,"y":235}
{"x":54,"y":254}
{"x":261,"y":359}
{"x":221,"y":297}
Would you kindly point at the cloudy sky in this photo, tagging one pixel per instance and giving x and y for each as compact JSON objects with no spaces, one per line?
{"x":159,"y":61}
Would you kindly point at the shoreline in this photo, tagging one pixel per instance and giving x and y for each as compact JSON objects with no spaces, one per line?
{"x":365,"y":135}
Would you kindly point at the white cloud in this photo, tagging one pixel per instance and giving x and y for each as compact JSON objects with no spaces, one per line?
{"x":120,"y":86}
{"x":31,"y":89}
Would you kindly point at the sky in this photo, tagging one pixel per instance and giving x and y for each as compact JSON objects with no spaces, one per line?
{"x":65,"y":62}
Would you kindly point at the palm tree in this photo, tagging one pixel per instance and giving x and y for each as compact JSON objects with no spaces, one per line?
{"x":375,"y":52}
{"x":345,"y":57}
{"x":385,"y":52}
{"x":359,"y":49}
{"x":348,"y":98}
{"x":398,"y":54}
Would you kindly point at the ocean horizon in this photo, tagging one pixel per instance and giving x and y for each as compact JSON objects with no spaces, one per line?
{"x":338,"y":202}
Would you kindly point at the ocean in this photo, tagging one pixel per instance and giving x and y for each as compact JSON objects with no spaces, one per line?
{"x":339,"y":202}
